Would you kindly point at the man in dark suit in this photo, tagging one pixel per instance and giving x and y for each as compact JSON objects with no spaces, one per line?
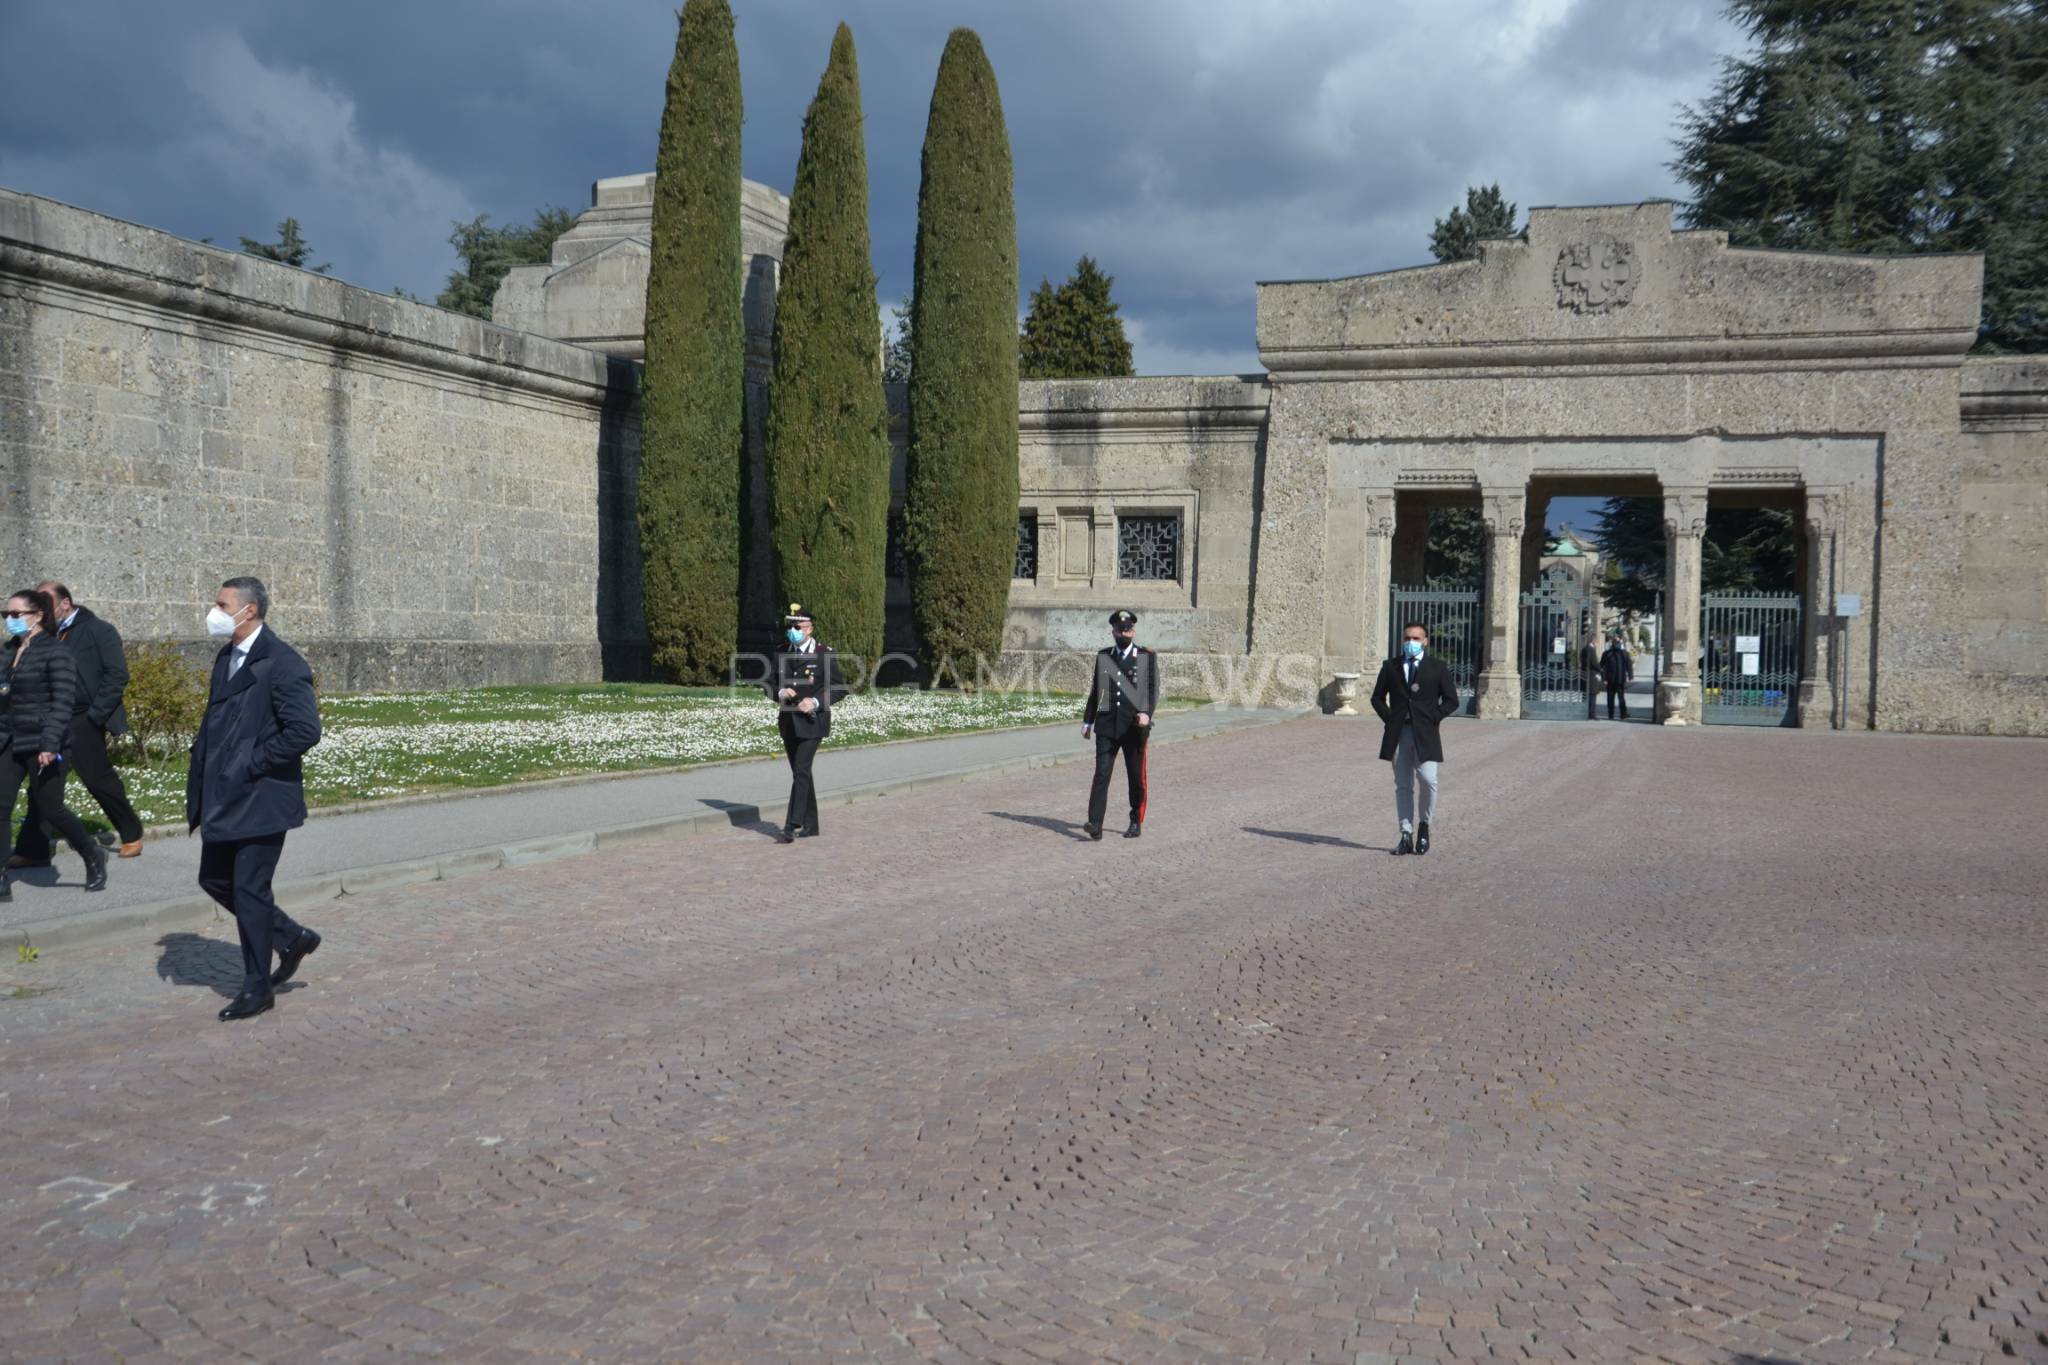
{"x":97,"y":712}
{"x":245,"y":786}
{"x":1412,"y":696}
{"x":1589,"y":670}
{"x":801,"y":684}
{"x":1119,"y":713}
{"x":1616,"y":672}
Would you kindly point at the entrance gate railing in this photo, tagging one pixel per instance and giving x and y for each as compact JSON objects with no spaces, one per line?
{"x":1558,"y":619}
{"x":1452,"y":615}
{"x":1749,"y":657}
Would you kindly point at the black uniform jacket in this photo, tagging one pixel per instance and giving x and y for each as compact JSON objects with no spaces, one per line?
{"x":39,"y":695}
{"x":1422,"y":704}
{"x":245,"y":779}
{"x":102,"y":671}
{"x":1615,"y":668}
{"x":814,"y":674}
{"x":1123,"y":689}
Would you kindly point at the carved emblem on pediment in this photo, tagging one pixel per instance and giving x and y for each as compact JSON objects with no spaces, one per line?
{"x":1596,"y":276}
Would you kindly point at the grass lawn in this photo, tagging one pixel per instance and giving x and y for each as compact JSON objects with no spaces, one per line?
{"x":395,"y":744}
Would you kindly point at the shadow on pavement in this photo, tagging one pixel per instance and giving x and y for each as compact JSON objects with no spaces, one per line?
{"x":1071,"y":828}
{"x":195,"y":960}
{"x":1295,"y":837}
{"x":743,"y":815}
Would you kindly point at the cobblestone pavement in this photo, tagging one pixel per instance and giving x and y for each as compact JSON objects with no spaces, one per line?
{"x":1763,"y":1078}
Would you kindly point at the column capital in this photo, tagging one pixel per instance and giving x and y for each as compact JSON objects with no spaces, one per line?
{"x":1379,"y":512}
{"x":1823,"y":512}
{"x":1503,"y":511}
{"x":1685,"y":512}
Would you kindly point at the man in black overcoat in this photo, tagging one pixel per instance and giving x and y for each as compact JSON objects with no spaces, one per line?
{"x":1616,"y":672}
{"x":1121,"y":703}
{"x":96,"y":713}
{"x":245,"y":786}
{"x":1412,"y":696}
{"x":801,"y":684}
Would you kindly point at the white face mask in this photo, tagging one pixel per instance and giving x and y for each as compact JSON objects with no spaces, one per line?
{"x":219,"y":622}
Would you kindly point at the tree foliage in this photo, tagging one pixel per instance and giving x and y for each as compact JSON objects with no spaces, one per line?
{"x":1747,"y":549}
{"x":1454,"y":553}
{"x":828,"y":427}
{"x":1886,"y":126}
{"x":960,"y":521}
{"x":693,"y":394}
{"x":291,"y":248}
{"x":1486,"y":213}
{"x":1073,"y":332}
{"x":897,"y":351}
{"x":487,"y":253}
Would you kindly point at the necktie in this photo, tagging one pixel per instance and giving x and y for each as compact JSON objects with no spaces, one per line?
{"x":234,"y":663}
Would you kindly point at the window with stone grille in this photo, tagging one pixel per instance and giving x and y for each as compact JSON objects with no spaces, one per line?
{"x":1148,"y":547}
{"x":1027,"y":546}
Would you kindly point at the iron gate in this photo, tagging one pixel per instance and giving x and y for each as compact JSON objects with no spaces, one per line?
{"x":1559,"y":618}
{"x":1749,"y":657}
{"x":1452,"y":615}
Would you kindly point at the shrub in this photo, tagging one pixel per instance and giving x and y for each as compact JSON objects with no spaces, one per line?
{"x":166,"y":697}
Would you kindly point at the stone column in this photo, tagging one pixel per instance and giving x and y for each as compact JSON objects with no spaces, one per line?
{"x":1500,"y":681}
{"x":1382,"y":536}
{"x":1679,"y":698}
{"x":1817,"y":655}
{"x":1411,"y":541}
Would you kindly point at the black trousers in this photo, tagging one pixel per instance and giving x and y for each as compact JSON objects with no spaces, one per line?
{"x":803,"y":793}
{"x":1132,"y":744}
{"x":237,"y":873}
{"x":1617,"y":694}
{"x":45,"y":801}
{"x":85,"y":749}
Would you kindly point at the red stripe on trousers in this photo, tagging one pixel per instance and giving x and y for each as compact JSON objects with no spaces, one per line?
{"x":1144,"y":777}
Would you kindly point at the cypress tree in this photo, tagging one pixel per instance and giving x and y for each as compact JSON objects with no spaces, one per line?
{"x":1073,"y":332}
{"x":828,"y":426}
{"x":960,"y":514}
{"x":693,"y":394}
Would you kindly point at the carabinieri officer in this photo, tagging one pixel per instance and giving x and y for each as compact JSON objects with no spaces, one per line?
{"x":1119,"y":715}
{"x":801,"y":685}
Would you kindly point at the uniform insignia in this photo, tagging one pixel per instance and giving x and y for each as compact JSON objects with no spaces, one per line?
{"x":1414,"y":687}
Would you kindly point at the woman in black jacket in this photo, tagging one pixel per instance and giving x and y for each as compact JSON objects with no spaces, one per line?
{"x":40,"y":682}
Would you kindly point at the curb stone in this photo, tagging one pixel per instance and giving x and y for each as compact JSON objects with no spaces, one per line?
{"x":306,"y":893}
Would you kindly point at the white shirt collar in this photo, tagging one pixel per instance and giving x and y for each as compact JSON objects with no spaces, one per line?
{"x":242,"y":647}
{"x":65,"y":624}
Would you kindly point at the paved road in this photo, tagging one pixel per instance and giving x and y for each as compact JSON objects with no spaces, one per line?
{"x":1766,"y":1079}
{"x":169,"y":868}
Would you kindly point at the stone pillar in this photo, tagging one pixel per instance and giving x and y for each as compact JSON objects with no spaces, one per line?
{"x":1679,"y":698}
{"x":1817,"y":655}
{"x":1500,"y":681}
{"x":1411,"y":540}
{"x":1382,"y":536}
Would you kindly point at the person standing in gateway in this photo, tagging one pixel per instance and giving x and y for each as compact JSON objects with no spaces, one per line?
{"x":801,"y":684}
{"x":1119,"y":715}
{"x":1412,"y":696}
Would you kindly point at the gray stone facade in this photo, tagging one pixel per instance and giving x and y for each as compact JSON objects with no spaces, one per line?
{"x":440,"y":501}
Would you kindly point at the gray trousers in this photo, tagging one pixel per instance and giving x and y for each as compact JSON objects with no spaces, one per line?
{"x":1406,"y":770}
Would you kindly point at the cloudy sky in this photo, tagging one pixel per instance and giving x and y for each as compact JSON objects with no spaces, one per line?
{"x":1191,"y":146}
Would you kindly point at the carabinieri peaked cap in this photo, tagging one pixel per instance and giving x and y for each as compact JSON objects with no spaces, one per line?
{"x":796,"y":613}
{"x":1120,"y":618}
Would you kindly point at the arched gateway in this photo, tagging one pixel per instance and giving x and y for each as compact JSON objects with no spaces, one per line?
{"x":1605,"y":353}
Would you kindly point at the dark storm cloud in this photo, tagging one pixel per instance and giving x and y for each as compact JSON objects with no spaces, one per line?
{"x":1191,"y":146}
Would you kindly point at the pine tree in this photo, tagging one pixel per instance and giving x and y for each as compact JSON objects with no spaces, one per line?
{"x":828,"y":427}
{"x":488,"y":253}
{"x":1886,"y":126}
{"x":960,"y":522}
{"x":1486,"y":213}
{"x":693,"y":392}
{"x":897,"y":348}
{"x":290,"y":248}
{"x":1073,"y":332}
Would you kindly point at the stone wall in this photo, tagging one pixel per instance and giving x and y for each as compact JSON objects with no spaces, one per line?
{"x":432,"y":500}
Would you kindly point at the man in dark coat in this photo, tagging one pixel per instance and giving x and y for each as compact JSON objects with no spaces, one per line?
{"x":102,"y":668}
{"x":245,"y":786}
{"x":1616,"y":672}
{"x":1119,"y":713}
{"x":1413,"y":694}
{"x":801,"y":684}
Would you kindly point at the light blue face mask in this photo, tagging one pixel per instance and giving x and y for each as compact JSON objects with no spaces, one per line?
{"x":16,"y":626}
{"x":796,"y":637}
{"x":1412,"y":648}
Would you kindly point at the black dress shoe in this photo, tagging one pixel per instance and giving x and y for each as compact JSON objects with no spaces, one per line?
{"x":95,"y":868}
{"x":808,"y":833}
{"x":289,"y":959}
{"x":1134,"y":831}
{"x":1094,"y":830}
{"x":1422,"y":837}
{"x":247,"y":1006}
{"x":1407,"y":844}
{"x":785,"y":836}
